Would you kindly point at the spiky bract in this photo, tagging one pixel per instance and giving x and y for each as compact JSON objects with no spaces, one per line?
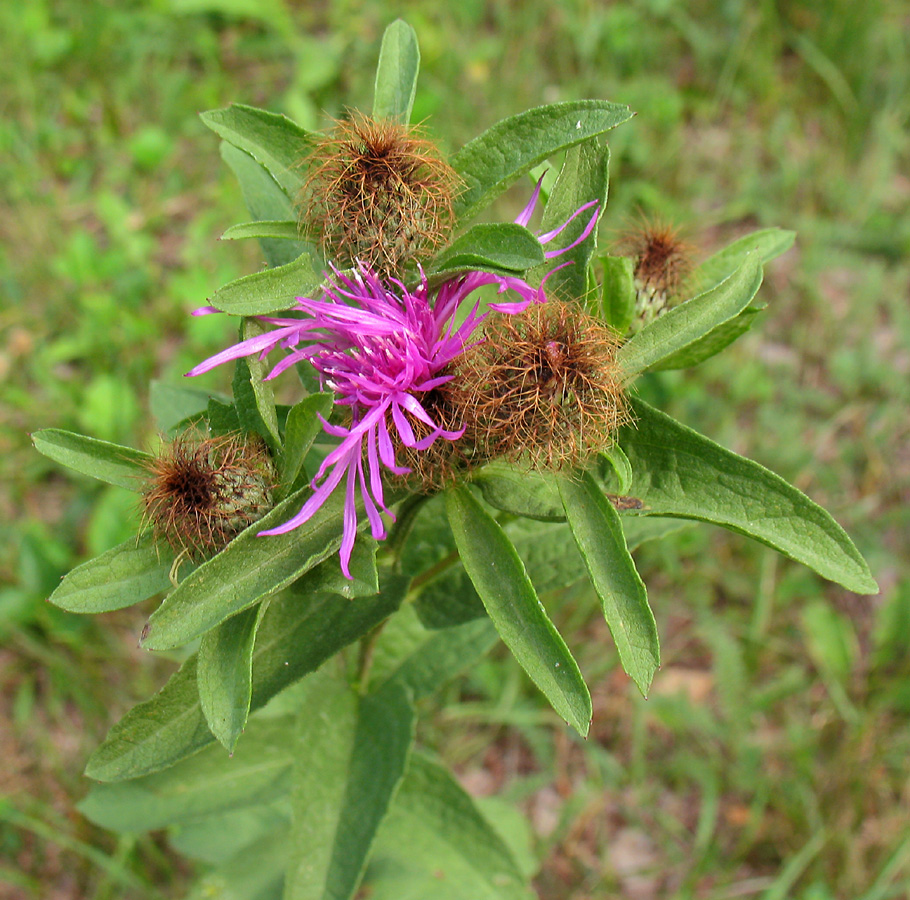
{"x":202,"y":492}
{"x":662,"y":262}
{"x":543,"y":388}
{"x":376,"y":193}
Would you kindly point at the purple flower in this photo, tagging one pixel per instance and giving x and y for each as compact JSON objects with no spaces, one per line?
{"x":379,"y":347}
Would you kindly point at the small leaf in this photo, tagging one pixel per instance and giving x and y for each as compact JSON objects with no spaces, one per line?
{"x":351,"y":754}
{"x":301,"y":429}
{"x":618,"y":292}
{"x":130,"y":573}
{"x":254,"y":399}
{"x":396,"y":74}
{"x":436,"y":844}
{"x":272,"y":140}
{"x":207,"y":783}
{"x":302,"y":628}
{"x":688,"y":323}
{"x":224,"y":673}
{"x":123,"y":466}
{"x":679,"y":472}
{"x":521,"y":492}
{"x":509,"y":597}
{"x":247,"y":570}
{"x":585,"y":176}
{"x":619,"y":463}
{"x":510,"y":148}
{"x":599,"y":536}
{"x":280,"y":230}
{"x":503,"y":248}
{"x":765,"y":244}
{"x":271,"y":290}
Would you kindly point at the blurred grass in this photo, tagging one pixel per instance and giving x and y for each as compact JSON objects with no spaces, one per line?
{"x":771,"y":759}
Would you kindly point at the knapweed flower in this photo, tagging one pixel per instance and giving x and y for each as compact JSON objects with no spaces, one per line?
{"x":382,"y":348}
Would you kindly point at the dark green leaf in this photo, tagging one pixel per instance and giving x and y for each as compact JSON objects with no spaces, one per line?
{"x":351,"y":754}
{"x":112,"y":463}
{"x":396,"y":74}
{"x":509,"y":597}
{"x":301,"y":429}
{"x":279,"y":230}
{"x":505,"y":248}
{"x":619,"y":463}
{"x":641,"y":529}
{"x":519,"y":491}
{"x":712,"y":343}
{"x":224,"y":673}
{"x":510,"y":148}
{"x":766,"y":244}
{"x":584,"y":177}
{"x":436,"y":844}
{"x":124,"y":575}
{"x":254,"y":399}
{"x":273,"y":140}
{"x":681,"y":473}
{"x":618,"y":292}
{"x":269,"y":291}
{"x":266,"y":201}
{"x":599,"y":536}
{"x":686,"y":324}
{"x":222,"y":417}
{"x":209,"y":782}
{"x":302,"y":628}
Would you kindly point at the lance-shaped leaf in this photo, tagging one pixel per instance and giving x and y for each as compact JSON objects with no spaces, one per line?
{"x":396,"y":74}
{"x":122,"y":466}
{"x":272,"y":140}
{"x":505,"y":249}
{"x":501,"y":581}
{"x":127,"y":574}
{"x":302,"y":628}
{"x":285,"y":230}
{"x":254,"y":400}
{"x":686,"y":324}
{"x":599,"y":536}
{"x":713,"y":342}
{"x":266,"y":201}
{"x":617,"y":304}
{"x":766,"y":244}
{"x":224,"y":674}
{"x":351,"y":754}
{"x":521,"y":492}
{"x":510,"y":148}
{"x":208,"y":783}
{"x":299,"y":433}
{"x":271,"y":290}
{"x":585,"y":176}
{"x":681,"y":473}
{"x":436,"y":844}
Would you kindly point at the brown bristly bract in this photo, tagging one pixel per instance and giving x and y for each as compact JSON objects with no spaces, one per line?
{"x":662,"y":258}
{"x":202,"y":492}
{"x":543,"y":388}
{"x":376,"y":192}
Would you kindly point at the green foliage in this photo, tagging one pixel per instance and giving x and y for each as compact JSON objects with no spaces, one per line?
{"x":396,"y":74}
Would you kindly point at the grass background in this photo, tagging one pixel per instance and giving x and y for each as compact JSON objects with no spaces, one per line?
{"x":771,"y":759}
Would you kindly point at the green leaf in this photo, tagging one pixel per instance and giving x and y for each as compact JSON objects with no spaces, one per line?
{"x":681,"y":473}
{"x":270,"y":290}
{"x":236,"y":879}
{"x":302,"y":628}
{"x":521,"y":492}
{"x":436,"y":844}
{"x":712,"y":343}
{"x":396,"y":74}
{"x":509,"y":597}
{"x":207,"y":783}
{"x":222,"y":417}
{"x":510,"y":148}
{"x":170,"y":404}
{"x":599,"y":536}
{"x":301,"y":429}
{"x":254,"y":399}
{"x":273,"y":140}
{"x":130,"y":573}
{"x":421,"y":660}
{"x":585,"y":176}
{"x":351,"y":754}
{"x":112,"y":463}
{"x":224,"y":673}
{"x":688,"y":323}
{"x":278,"y":230}
{"x":268,"y":202}
{"x":641,"y":529}
{"x":247,"y":570}
{"x":765,"y":244}
{"x":504,"y":249}
{"x":617,"y":304}
{"x":619,"y":463}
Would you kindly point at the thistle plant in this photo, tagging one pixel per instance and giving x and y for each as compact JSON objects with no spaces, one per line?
{"x":466,"y":437}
